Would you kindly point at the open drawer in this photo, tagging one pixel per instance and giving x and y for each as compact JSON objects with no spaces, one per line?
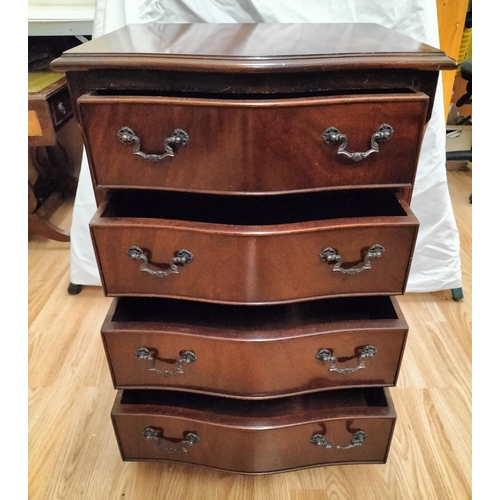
{"x":254,"y":352}
{"x":254,"y":250}
{"x":255,"y":437}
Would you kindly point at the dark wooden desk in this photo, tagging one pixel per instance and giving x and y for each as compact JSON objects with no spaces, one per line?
{"x":49,"y":109}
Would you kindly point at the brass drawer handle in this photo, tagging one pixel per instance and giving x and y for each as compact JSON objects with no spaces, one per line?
{"x":326,"y":355}
{"x":156,"y":435}
{"x":330,"y":255}
{"x":185,"y":357}
{"x":61,"y":108}
{"x":332,"y":135}
{"x":357,"y":440}
{"x":179,"y":138}
{"x":181,"y":257}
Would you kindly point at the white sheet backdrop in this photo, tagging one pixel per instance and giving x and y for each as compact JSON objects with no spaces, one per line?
{"x":436,"y":264}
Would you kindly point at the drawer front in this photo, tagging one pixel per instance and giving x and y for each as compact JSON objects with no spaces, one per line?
{"x":253,"y":366}
{"x":170,"y":435}
{"x":252,"y":267}
{"x":254,"y":146}
{"x":60,"y":107}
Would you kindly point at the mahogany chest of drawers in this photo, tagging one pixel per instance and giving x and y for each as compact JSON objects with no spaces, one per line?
{"x":254,"y":226}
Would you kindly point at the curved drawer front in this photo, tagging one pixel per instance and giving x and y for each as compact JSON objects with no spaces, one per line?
{"x":253,"y":146}
{"x":256,"y":264}
{"x":291,"y":349}
{"x":289,"y":434}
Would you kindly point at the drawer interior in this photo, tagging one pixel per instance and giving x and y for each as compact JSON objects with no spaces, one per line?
{"x":247,"y":318}
{"x":252,"y":96}
{"x":336,"y":399}
{"x":253,"y":210}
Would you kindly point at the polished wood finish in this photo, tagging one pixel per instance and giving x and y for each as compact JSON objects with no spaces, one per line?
{"x":255,"y":437}
{"x":73,"y":452}
{"x":178,"y":59}
{"x":266,"y":247}
{"x":244,"y":85}
{"x":248,"y":250}
{"x":258,"y":352}
{"x":239,"y":47}
{"x":49,"y":109}
{"x":279,"y":146}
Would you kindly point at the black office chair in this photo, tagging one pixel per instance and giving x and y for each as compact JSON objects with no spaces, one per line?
{"x":466,"y":74}
{"x":465,"y":69}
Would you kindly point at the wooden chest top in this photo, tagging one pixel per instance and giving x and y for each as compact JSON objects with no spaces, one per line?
{"x":254,"y":48}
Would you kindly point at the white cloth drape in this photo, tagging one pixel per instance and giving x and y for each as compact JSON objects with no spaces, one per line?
{"x":436,"y":263}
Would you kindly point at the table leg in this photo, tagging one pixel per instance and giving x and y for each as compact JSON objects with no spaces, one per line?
{"x":51,"y":165}
{"x":42,"y":226}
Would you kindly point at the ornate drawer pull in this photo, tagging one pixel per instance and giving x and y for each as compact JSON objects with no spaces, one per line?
{"x":326,"y":355}
{"x":61,"y":108}
{"x":330,"y":255}
{"x":181,"y":257}
{"x":185,"y":357}
{"x":357,"y":440}
{"x":179,"y":138}
{"x":332,"y":135}
{"x":156,"y":435}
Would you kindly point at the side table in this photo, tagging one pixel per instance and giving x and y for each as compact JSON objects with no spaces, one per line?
{"x":49,"y":109}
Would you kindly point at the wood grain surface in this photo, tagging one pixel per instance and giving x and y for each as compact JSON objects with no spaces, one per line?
{"x":73,"y":452}
{"x":254,"y":145}
{"x":254,"y":437}
{"x":248,"y":250}
{"x":239,"y":47}
{"x":253,"y":352}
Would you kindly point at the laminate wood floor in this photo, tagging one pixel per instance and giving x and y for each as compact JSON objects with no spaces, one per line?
{"x":72,"y":449}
